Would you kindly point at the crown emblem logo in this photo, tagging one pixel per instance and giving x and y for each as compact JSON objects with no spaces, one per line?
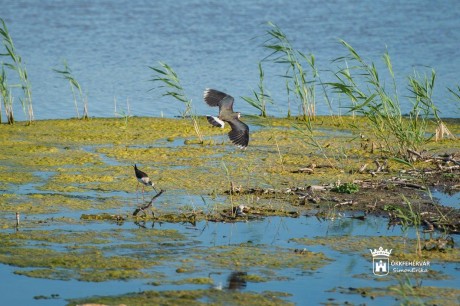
{"x":380,"y":261}
{"x":381,"y":252}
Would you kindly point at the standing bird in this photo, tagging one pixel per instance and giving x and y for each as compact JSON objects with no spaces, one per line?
{"x":239,"y":134}
{"x":144,"y":179}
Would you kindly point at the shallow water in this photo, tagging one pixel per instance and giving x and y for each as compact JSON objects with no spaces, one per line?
{"x":448,"y":199}
{"x":110,"y":44}
{"x":267,"y":233}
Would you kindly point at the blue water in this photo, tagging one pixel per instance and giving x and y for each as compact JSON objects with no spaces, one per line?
{"x":110,"y":44}
{"x":313,"y":286}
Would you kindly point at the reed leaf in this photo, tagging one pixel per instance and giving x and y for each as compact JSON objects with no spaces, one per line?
{"x":297,"y":83}
{"x":169,"y":80}
{"x":7,"y":99}
{"x":66,"y":73}
{"x":363,"y":85}
{"x":18,"y":66}
{"x":261,"y":97}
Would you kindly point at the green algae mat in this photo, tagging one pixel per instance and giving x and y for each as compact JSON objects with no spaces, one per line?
{"x":68,"y":193}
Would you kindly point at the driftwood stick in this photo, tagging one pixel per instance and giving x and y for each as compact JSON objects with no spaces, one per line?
{"x":415,"y":153}
{"x":409,"y":185}
{"x":142,"y":208}
{"x":362,"y":168}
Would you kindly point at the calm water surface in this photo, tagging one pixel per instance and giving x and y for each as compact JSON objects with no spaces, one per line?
{"x":110,"y":44}
{"x":312,"y":286}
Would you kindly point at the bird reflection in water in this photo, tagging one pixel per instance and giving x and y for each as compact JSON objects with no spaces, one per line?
{"x":236,"y":281}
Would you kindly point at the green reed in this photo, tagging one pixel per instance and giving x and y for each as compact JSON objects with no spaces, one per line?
{"x":7,"y":98}
{"x":360,"y":82}
{"x":455,"y":93}
{"x":298,"y":66}
{"x":18,"y":66}
{"x":67,"y":74}
{"x":125,"y":114}
{"x":407,"y":291}
{"x":408,"y":217}
{"x":262,"y":97}
{"x":230,"y":182}
{"x":170,"y":82}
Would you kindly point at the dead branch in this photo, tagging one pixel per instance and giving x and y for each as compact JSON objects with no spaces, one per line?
{"x":408,"y":185}
{"x":362,"y":168}
{"x":303,"y":170}
{"x":414,"y":153}
{"x":143,"y":208}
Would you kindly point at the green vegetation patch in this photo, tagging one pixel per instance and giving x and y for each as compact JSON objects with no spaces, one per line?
{"x":247,"y":255}
{"x":346,"y":188}
{"x":46,"y":203}
{"x":89,"y":256}
{"x":87,"y":265}
{"x":407,"y":294}
{"x":190,"y":297}
{"x":16,"y":177}
{"x":403,"y":248}
{"x":97,"y":156}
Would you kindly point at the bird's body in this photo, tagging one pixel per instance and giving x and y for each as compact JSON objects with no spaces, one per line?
{"x":143,"y":178}
{"x":239,"y":133}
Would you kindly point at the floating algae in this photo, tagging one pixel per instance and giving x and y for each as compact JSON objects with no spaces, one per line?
{"x":83,"y":169}
{"x":407,"y":294}
{"x":247,"y":255}
{"x":190,"y":297}
{"x":404,"y":249}
{"x":87,"y":256}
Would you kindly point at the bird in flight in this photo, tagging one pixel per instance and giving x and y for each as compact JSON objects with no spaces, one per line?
{"x":239,"y":133}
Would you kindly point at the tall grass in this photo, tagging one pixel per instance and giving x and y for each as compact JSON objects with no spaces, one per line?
{"x":230,"y":182}
{"x":67,"y":74}
{"x":170,"y":82}
{"x":17,"y":65}
{"x":408,"y":293}
{"x":301,"y":78}
{"x":408,"y":217}
{"x":361,"y":83}
{"x":298,"y":65}
{"x":455,"y":92}
{"x":5,"y":94}
{"x":261,"y":97}
{"x":125,"y":114}
{"x":305,"y":129}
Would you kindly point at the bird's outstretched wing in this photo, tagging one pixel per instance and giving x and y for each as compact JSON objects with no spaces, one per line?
{"x":217,"y":98}
{"x":239,"y":134}
{"x":215,"y":121}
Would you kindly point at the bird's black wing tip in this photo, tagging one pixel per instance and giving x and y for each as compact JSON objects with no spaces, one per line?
{"x":214,"y":97}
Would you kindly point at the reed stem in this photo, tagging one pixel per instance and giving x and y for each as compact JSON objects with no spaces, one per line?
{"x":17,"y":65}
{"x":169,"y":80}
